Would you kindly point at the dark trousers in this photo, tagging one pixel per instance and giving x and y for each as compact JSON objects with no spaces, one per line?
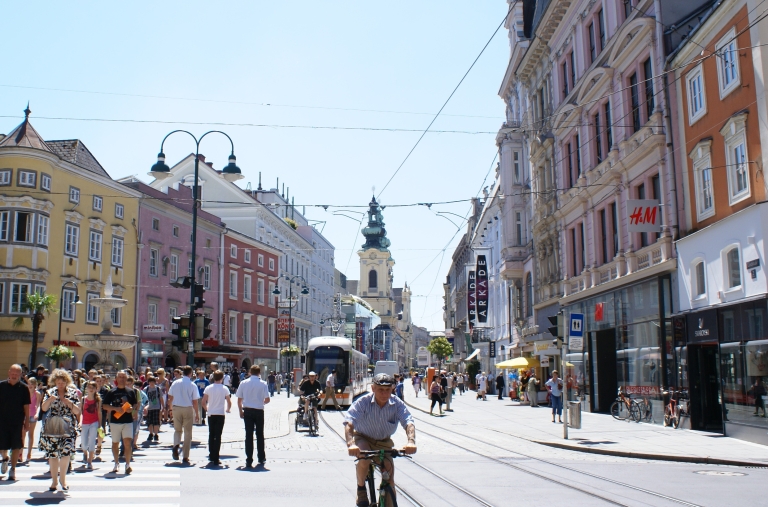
{"x":254,"y":419}
{"x":215,"y":427}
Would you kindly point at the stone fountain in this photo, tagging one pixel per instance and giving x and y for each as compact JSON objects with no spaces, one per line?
{"x":107,"y":341}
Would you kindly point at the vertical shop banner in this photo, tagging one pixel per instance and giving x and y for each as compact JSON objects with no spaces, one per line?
{"x":481,"y":288}
{"x":471,"y":302}
{"x":599,"y":312}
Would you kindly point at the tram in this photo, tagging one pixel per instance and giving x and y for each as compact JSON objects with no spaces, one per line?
{"x":328,"y":353}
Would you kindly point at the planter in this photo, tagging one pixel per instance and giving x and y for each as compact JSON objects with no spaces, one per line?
{"x":60,"y":353}
{"x":291,"y":351}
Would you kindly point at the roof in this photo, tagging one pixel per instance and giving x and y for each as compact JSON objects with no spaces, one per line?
{"x":75,"y":152}
{"x":25,"y":136}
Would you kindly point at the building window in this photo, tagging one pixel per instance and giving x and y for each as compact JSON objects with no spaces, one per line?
{"x":175,"y":230}
{"x":608,"y":127}
{"x":734,"y":269}
{"x":173,"y":312}
{"x":516,"y":164}
{"x":246,"y":287}
{"x":260,"y":332}
{"x":260,"y":291}
{"x":628,"y":8}
{"x":270,"y":296}
{"x":578,"y":156}
{"x":154,"y":257}
{"x":116,"y":315}
{"x":649,"y":99}
{"x":728,"y":63}
{"x":233,"y":251}
{"x":94,"y":246}
{"x":119,"y":211}
{"x":592,"y":42}
{"x":68,"y":305}
{"x":117,"y":251}
{"x":519,"y":228}
{"x":233,"y":284}
{"x":701,"y":282}
{"x":92,"y":312}
{"x":19,"y":292}
{"x":207,"y":277}
{"x":564,"y":77}
{"x":71,"y":239}
{"x":271,"y":334}
{"x":260,"y":261}
{"x":635,"y":102}
{"x":697,"y":105}
{"x":42,"y":230}
{"x":271,"y":264}
{"x":5,"y":177}
{"x":373,"y":278}
{"x":98,"y":203}
{"x":734,"y":133}
{"x":155,"y":224}
{"x":598,"y":139}
{"x":24,"y":227}
{"x":615,"y":227}
{"x":189,"y":266}
{"x":247,"y":329}
{"x":232,"y":328}
{"x":603,"y":236}
{"x":45,"y":182}
{"x":601,"y":27}
{"x":572,"y":62}
{"x":74,"y":195}
{"x":152,"y":313}
{"x":174,"y":275}
{"x":4,"y":225}
{"x":27,"y":179}
{"x":528,"y":296}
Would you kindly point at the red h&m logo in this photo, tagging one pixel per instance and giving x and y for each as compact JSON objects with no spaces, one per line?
{"x":644,"y":215}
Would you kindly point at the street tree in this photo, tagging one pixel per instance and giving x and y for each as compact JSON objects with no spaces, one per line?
{"x":38,"y":306}
{"x":441,"y":348}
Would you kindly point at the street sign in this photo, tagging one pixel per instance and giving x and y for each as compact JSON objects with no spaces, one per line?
{"x":283,"y":336}
{"x":284,"y":323}
{"x":576,"y":332}
{"x":422,"y":357}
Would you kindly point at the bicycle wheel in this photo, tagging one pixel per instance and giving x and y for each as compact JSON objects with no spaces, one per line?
{"x":677,"y":417}
{"x":387,"y":492}
{"x":296,"y":423}
{"x":667,"y":416}
{"x":616,"y":411}
{"x":634,"y":412}
{"x":371,"y":485}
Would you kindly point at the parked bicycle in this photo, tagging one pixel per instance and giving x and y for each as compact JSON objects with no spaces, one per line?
{"x":624,"y":408}
{"x":645,"y":409}
{"x":675,"y":407}
{"x":386,"y":490}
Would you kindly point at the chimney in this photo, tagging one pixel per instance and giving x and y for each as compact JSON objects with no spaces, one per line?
{"x":201,"y":157}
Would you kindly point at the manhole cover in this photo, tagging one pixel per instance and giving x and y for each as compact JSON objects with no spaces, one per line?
{"x":719,"y":472}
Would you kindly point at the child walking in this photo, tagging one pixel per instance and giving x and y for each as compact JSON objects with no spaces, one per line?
{"x":90,"y":408}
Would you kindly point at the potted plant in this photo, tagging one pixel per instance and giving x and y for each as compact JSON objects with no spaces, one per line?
{"x":59,"y":353}
{"x":293,"y":350}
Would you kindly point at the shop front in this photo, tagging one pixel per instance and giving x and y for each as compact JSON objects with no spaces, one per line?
{"x":721,"y":360}
{"x":624,"y":338}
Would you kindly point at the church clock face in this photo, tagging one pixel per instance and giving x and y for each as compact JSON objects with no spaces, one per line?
{"x":372,"y":255}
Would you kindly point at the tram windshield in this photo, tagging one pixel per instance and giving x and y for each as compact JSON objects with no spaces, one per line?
{"x":327,"y":359}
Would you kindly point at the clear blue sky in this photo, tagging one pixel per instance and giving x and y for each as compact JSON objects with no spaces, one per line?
{"x":280,"y":63}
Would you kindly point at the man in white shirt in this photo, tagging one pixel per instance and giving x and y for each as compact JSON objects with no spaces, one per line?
{"x":183,"y":396}
{"x":252,"y":395}
{"x":215,"y":397}
{"x":330,"y":390}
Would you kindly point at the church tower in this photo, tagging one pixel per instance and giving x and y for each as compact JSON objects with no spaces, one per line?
{"x":376,"y":262}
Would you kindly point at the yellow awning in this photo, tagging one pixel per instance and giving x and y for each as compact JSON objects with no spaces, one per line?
{"x":519,"y":362}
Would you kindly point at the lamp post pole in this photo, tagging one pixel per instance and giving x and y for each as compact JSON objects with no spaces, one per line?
{"x":61,"y":309}
{"x":304,"y":292}
{"x":231,"y":173}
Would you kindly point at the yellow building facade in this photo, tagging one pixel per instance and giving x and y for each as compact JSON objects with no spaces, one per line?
{"x":63,"y":221}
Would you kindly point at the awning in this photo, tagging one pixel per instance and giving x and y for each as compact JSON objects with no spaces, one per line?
{"x":472,"y":355}
{"x":519,"y":362}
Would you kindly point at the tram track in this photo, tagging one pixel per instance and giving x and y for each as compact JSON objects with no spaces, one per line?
{"x":405,"y":493}
{"x":559,"y":467}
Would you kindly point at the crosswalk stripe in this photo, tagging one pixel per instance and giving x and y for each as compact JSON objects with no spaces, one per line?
{"x":110,"y":494}
{"x":105,"y":483}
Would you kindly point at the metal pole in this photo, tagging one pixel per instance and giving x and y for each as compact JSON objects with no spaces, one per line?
{"x":564,"y":394}
{"x":195,"y":192}
{"x":290,"y":336}
{"x":61,"y":310}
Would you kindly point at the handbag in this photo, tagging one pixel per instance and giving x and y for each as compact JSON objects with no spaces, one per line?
{"x":56,"y":426}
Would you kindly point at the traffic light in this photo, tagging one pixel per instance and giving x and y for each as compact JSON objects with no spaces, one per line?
{"x":202,"y":327}
{"x":199,"y":292}
{"x":557,"y":329}
{"x":182,"y":327}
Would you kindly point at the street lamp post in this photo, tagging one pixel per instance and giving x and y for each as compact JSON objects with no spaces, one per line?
{"x":61,"y":309}
{"x":304,"y":292}
{"x":230,"y":173}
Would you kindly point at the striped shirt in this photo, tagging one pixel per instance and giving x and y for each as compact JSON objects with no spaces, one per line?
{"x":375,"y":422}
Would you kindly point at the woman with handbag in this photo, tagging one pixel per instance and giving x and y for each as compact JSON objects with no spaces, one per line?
{"x":57,"y":437}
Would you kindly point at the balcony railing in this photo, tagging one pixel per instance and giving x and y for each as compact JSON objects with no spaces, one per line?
{"x":622,"y":265}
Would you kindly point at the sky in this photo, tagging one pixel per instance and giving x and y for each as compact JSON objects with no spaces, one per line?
{"x":269,"y":74}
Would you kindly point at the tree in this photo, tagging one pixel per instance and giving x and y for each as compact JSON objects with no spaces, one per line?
{"x":441,"y":348}
{"x":39,"y":306}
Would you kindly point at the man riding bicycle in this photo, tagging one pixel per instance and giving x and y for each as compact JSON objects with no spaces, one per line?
{"x":369,"y":425}
{"x":308,"y":388}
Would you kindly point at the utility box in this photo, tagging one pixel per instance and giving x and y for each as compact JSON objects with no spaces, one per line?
{"x":574,"y":412}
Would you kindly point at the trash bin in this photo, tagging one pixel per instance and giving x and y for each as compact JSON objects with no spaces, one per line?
{"x":574,"y":412}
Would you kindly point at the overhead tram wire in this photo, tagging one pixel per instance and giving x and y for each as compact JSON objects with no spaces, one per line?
{"x":418,"y":141}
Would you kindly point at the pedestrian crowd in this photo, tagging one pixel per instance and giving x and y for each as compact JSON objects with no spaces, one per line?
{"x":89,"y":405}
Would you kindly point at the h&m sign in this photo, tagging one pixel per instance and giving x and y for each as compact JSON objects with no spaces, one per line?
{"x":644,"y":215}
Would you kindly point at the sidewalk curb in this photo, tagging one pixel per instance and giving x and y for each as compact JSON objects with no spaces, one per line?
{"x":704,"y":460}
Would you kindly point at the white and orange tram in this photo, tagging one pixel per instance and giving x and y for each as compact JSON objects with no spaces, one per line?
{"x":328,"y":353}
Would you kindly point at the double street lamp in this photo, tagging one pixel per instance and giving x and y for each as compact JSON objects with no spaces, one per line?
{"x":291,"y":303}
{"x":61,"y":309}
{"x":230,"y":173}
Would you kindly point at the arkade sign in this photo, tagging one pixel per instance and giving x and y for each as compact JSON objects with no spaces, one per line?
{"x":481,"y":291}
{"x":471,"y":306}
{"x":644,"y":215}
